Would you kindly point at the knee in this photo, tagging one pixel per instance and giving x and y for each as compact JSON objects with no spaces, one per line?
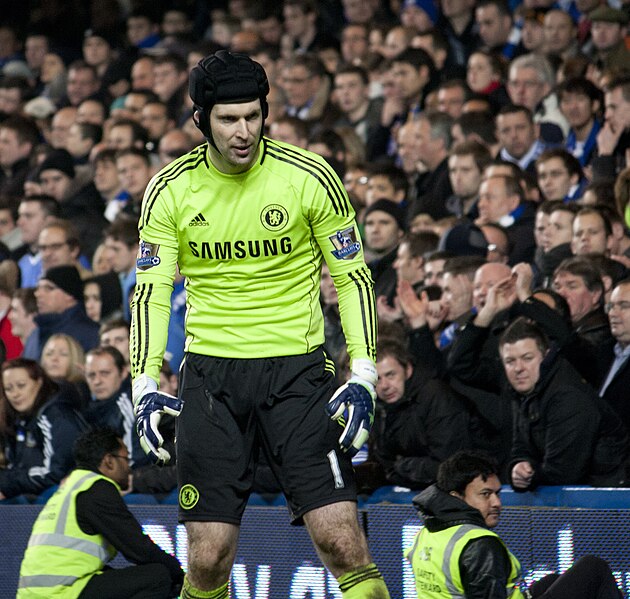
{"x":346,"y":547}
{"x":210,"y":561}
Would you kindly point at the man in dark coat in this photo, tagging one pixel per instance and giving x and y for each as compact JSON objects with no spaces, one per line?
{"x":563,"y":433}
{"x":59,"y":296}
{"x":419,"y":422}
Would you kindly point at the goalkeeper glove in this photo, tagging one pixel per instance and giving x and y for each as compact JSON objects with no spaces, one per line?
{"x":352,"y":406}
{"x":149,"y":405}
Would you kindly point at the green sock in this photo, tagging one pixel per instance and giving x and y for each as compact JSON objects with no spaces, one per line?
{"x":190,"y":592}
{"x":365,"y":582}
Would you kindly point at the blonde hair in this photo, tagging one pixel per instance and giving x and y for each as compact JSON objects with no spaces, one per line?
{"x":77,"y":357}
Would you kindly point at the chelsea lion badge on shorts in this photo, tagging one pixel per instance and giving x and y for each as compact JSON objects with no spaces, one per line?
{"x":147,"y":255}
{"x":346,"y":244}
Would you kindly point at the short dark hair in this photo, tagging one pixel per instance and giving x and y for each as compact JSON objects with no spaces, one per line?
{"x":516,"y":109}
{"x":478,"y":123}
{"x":109,"y":350}
{"x":458,"y":471}
{"x":571,"y":163}
{"x":421,"y":243}
{"x":114,"y":323}
{"x":92,"y":446}
{"x":595,"y":210}
{"x":393,"y":349}
{"x":48,"y":204}
{"x":523,"y":328}
{"x":393,"y":173}
{"x":125,"y":229}
{"x":581,"y":266}
{"x":480,"y":153}
{"x":581,"y":86}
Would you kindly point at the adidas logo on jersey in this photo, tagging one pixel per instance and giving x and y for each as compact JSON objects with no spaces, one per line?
{"x":198,"y":221}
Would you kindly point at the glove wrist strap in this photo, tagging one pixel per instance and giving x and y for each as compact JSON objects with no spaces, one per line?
{"x":141,"y":386}
{"x":365,"y":369}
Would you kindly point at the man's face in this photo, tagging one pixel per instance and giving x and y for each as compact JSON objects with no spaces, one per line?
{"x":451,"y":101}
{"x":522,"y":360}
{"x":286,"y":132}
{"x":408,"y":80}
{"x":134,"y":174}
{"x":54,"y":248}
{"x":296,"y":22}
{"x":483,"y":495}
{"x":392,"y":376}
{"x":60,"y":126}
{"x":154,"y":119}
{"x":236,"y":131}
{"x":573,"y":289}
{"x":120,"y":137}
{"x":515,"y":133}
{"x":90,"y":111}
{"x":31,"y":220}
{"x":21,"y":321}
{"x":55,"y":183}
{"x":358,"y":11}
{"x":10,"y":100}
{"x":617,"y":110}
{"x":456,"y":295}
{"x":167,"y":80}
{"x":12,"y":149}
{"x":494,"y":202}
{"x":558,"y":31}
{"x":51,"y":299}
{"x":430,"y":150}
{"x":619,"y":314}
{"x":554,"y":179}
{"x":35,"y":49}
{"x":118,"y":338}
{"x":299,"y":85}
{"x":354,"y":43}
{"x":355,"y":181}
{"x":533,"y":35}
{"x":81,"y":84}
{"x":76,"y":144}
{"x":525,"y":89}
{"x":485,"y":277}
{"x":455,"y":8}
{"x":493,"y":28}
{"x":381,"y":231}
{"x":465,"y":176}
{"x":123,"y":258}
{"x":408,"y":142}
{"x":434,"y":272}
{"x":142,"y":74}
{"x":589,"y":235}
{"x":606,"y":35}
{"x":540,"y":227}
{"x":379,"y":187}
{"x":350,"y":92}
{"x":120,"y":470}
{"x":559,"y":230}
{"x":96,"y":51}
{"x":106,"y":177}
{"x":577,"y":108}
{"x":102,"y":376}
{"x":408,"y":267}
{"x":133,"y":104}
{"x":138,"y":29}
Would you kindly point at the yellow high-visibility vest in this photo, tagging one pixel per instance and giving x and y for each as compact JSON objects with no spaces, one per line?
{"x":434,"y":558}
{"x":60,"y":558}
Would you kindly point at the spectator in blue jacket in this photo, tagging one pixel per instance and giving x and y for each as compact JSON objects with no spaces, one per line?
{"x":37,"y":430}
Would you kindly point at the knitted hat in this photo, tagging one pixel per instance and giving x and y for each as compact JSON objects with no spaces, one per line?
{"x":427,"y":6}
{"x":391,"y":208}
{"x":59,"y":160}
{"x":464,"y":239}
{"x":67,"y":278}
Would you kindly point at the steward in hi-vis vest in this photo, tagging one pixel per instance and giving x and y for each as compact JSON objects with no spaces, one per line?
{"x":84,"y":525}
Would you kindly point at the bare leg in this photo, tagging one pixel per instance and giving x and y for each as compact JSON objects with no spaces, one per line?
{"x":338,"y":539}
{"x":211,"y":552}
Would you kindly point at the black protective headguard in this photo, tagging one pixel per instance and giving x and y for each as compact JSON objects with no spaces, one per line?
{"x":226,"y":78}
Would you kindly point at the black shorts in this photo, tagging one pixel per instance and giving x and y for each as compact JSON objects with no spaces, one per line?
{"x":236,"y":408}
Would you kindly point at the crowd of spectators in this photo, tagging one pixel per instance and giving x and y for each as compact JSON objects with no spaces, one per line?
{"x":484,"y":146}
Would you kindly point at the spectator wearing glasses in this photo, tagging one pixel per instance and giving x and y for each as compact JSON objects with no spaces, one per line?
{"x":59,"y":245}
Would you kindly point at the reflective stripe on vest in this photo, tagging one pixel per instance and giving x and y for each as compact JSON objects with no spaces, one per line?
{"x":435,"y":558}
{"x":60,"y":558}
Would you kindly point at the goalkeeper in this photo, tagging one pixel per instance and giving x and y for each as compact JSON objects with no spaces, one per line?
{"x":249,"y":221}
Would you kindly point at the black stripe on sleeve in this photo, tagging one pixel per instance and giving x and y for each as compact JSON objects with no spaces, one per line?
{"x":368,"y":308}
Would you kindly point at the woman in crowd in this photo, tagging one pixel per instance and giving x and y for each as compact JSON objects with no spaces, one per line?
{"x":103,"y":297}
{"x":37,"y":430}
{"x":63,"y":360}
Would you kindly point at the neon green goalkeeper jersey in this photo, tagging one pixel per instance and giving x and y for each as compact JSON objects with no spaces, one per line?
{"x":250,"y":247}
